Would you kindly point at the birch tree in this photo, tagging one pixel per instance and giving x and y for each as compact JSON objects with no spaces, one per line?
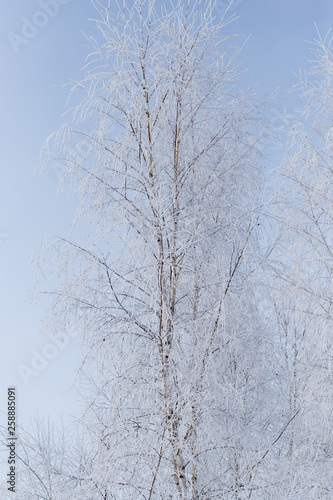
{"x":307,"y":320}
{"x":164,"y":291}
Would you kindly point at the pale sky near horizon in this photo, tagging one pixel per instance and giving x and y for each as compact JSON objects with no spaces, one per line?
{"x":31,"y":108}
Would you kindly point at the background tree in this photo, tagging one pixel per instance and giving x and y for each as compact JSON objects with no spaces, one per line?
{"x":304,"y":307}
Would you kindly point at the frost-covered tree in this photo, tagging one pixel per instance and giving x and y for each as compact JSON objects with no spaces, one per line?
{"x":52,"y":464}
{"x":304,"y":308}
{"x":165,"y":291}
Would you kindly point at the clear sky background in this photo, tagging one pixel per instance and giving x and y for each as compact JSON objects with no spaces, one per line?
{"x":31,"y":108}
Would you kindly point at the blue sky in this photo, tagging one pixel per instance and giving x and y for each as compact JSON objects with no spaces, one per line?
{"x":31,"y":108}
